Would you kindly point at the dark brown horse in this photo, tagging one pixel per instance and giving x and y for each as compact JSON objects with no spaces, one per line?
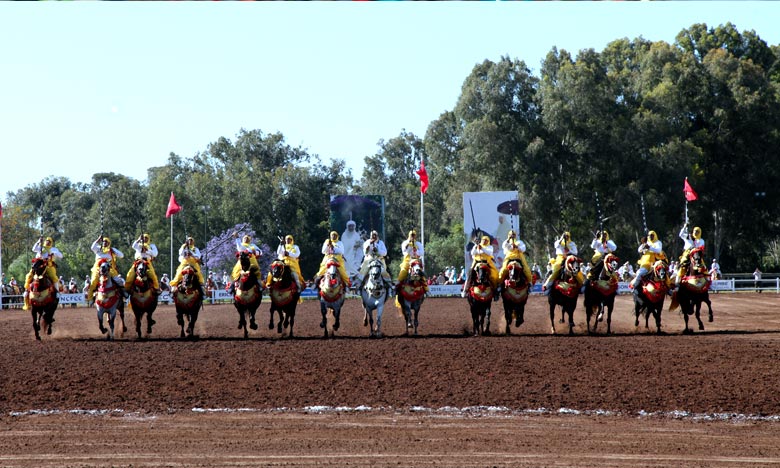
{"x":600,"y":293}
{"x":694,"y":290}
{"x":649,"y":296}
{"x":188,"y":300}
{"x":143,"y":297}
{"x":480,"y":295}
{"x":332,"y":292}
{"x":410,"y":295}
{"x":248,"y":294}
{"x":514,"y":294}
{"x":43,"y":298}
{"x":284,"y":297}
{"x":109,"y":296}
{"x":565,"y":290}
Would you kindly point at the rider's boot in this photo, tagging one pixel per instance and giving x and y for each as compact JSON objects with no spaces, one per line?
{"x":26,"y":305}
{"x":316,"y":281}
{"x":232,"y":289}
{"x":466,"y":288}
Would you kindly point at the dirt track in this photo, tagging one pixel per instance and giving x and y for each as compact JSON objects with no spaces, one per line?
{"x":443,"y":398}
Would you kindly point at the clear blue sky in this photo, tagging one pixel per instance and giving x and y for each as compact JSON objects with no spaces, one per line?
{"x":93,"y":87}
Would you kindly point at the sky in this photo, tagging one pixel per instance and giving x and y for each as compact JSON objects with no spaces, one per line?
{"x":89,"y":87}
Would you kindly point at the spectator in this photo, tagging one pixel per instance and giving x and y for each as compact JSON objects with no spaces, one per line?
{"x":757,"y":279}
{"x":715,"y":270}
{"x":441,"y":279}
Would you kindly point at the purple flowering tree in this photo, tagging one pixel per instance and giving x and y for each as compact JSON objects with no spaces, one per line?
{"x":221,"y":250}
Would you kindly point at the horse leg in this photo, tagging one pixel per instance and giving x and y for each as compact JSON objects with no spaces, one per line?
{"x":290,"y":315}
{"x":280,"y":324}
{"x":337,"y":316}
{"x":698,"y":316}
{"x":637,"y":312}
{"x":571,"y":320}
{"x":365,"y":317}
{"x":709,"y":305}
{"x":552,"y":318}
{"x":507,"y":318}
{"x":103,"y":329}
{"x":138,"y":317}
{"x":180,"y":321}
{"x":324,"y":323}
{"x":271,"y":321}
{"x":486,"y":322}
{"x":657,"y":315}
{"x":111,"y":319}
{"x":241,"y":318}
{"x":687,"y":330}
{"x":36,"y":325}
{"x":193,"y":319}
{"x":609,"y":315}
{"x":149,"y":322}
{"x":416,"y":317}
{"x":252,"y":321}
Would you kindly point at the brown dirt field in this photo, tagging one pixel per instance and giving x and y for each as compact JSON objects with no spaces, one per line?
{"x":441,"y":399}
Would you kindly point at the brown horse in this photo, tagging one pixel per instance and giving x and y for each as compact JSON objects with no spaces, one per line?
{"x":43,"y":298}
{"x":109,"y":296}
{"x":248,"y":294}
{"x":564,"y":291}
{"x":600,"y":293}
{"x":514,"y":294}
{"x":284,"y":297}
{"x":410,"y":295}
{"x":480,"y":295}
{"x":143,"y":297}
{"x":649,"y":296}
{"x":693,"y":290}
{"x":332,"y":292}
{"x":188,"y":300}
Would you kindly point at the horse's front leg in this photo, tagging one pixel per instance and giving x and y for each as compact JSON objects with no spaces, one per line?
{"x":138,"y":317}
{"x":180,"y":321}
{"x":103,"y":329}
{"x":111,"y":319}
{"x":369,"y":316}
{"x":609,"y":315}
{"x":36,"y":325}
{"x":571,"y":318}
{"x":486,"y":322}
{"x":271,"y":320}
{"x":552,"y":318}
{"x":709,"y":306}
{"x":252,"y":320}
{"x":657,"y":315}
{"x":324,"y":323}
{"x":698,"y":316}
{"x":290,"y":315}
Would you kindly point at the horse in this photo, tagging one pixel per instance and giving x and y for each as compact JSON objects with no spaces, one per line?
{"x":410,"y":295}
{"x":43,"y":298}
{"x":693,"y":290}
{"x":332,"y":292}
{"x":188,"y":300}
{"x":650,"y":295}
{"x":514,"y":294}
{"x":143,"y":297}
{"x":374,"y":295}
{"x":12,"y":296}
{"x":284,"y":296}
{"x":600,"y":293}
{"x":109,"y":296}
{"x":479,"y":295}
{"x":73,"y":288}
{"x":564,"y":291}
{"x":247,"y":294}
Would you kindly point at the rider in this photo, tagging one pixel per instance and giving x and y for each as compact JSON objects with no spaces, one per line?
{"x":692,"y":240}
{"x":104,"y":253}
{"x":245,"y":244}
{"x":43,"y":248}
{"x":714,"y":269}
{"x":189,"y":255}
{"x":514,"y":249}
{"x":144,"y":250}
{"x":288,"y":253}
{"x":374,"y":249}
{"x":482,"y":252}
{"x":602,"y":245}
{"x":564,"y":246}
{"x":652,"y":250}
{"x":411,"y":249}
{"x":333,"y":247}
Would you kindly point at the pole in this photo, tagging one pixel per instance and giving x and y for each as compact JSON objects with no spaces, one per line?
{"x":1,"y":254}
{"x":422,"y":225}
{"x":171,"y":270}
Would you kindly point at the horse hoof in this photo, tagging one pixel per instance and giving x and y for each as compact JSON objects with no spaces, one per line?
{"x":271,"y":325}
{"x":365,"y":321}
{"x":38,"y":337}
{"x":240,"y":326}
{"x":279,"y":327}
{"x":253,"y":325}
{"x":709,"y":319}
{"x":124,"y":329}
{"x":103,"y":330}
{"x":48,"y":330}
{"x":335,"y":326}
{"x":701,"y":327}
{"x":518,"y":322}
{"x":322,"y":325}
{"x":151,"y":322}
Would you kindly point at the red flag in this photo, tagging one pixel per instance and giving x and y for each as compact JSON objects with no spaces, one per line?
{"x":173,"y":207}
{"x":423,"y":177}
{"x":690,"y":194}
{"x":1,"y":211}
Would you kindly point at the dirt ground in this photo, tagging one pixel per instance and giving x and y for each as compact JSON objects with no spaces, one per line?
{"x":443,"y":398}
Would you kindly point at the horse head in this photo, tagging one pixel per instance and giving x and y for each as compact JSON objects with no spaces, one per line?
{"x":277,"y":269}
{"x":188,"y":278}
{"x":415,"y":269}
{"x":696,"y":258}
{"x":243,"y":260}
{"x":104,"y":269}
{"x":141,"y":269}
{"x":515,"y":271}
{"x":375,"y":270}
{"x":332,"y":268}
{"x":481,"y":272}
{"x":659,"y":271}
{"x":571,"y":266}
{"x":39,"y":266}
{"x":611,"y":264}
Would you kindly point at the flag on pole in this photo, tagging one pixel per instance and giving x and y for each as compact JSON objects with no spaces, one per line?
{"x":423,"y":177}
{"x":173,"y":207}
{"x":690,"y":194}
{"x":1,"y":211}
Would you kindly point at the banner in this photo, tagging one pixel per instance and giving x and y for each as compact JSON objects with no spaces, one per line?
{"x":354,"y":217}
{"x":490,"y":214}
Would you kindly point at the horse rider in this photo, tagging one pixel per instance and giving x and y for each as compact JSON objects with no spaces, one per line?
{"x":651,"y":250}
{"x":288,"y":252}
{"x":144,"y":250}
{"x":43,"y":248}
{"x":714,"y":269}
{"x":482,"y":252}
{"x":374,"y":249}
{"x":564,"y":247}
{"x":602,"y":245}
{"x":692,"y":240}
{"x":333,"y":247}
{"x":104,"y":253}
{"x":245,"y":245}
{"x":411,"y":249}
{"x":189,"y":255}
{"x":514,"y":249}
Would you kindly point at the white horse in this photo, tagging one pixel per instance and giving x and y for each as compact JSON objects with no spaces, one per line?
{"x":332,"y":291}
{"x":374,"y":294}
{"x":107,"y":299}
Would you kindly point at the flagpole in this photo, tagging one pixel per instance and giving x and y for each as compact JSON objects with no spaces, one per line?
{"x":1,"y":253}
{"x":422,"y":225}
{"x":171,"y":270}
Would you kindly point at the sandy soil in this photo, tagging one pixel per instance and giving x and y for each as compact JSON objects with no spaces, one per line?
{"x":443,"y":398}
